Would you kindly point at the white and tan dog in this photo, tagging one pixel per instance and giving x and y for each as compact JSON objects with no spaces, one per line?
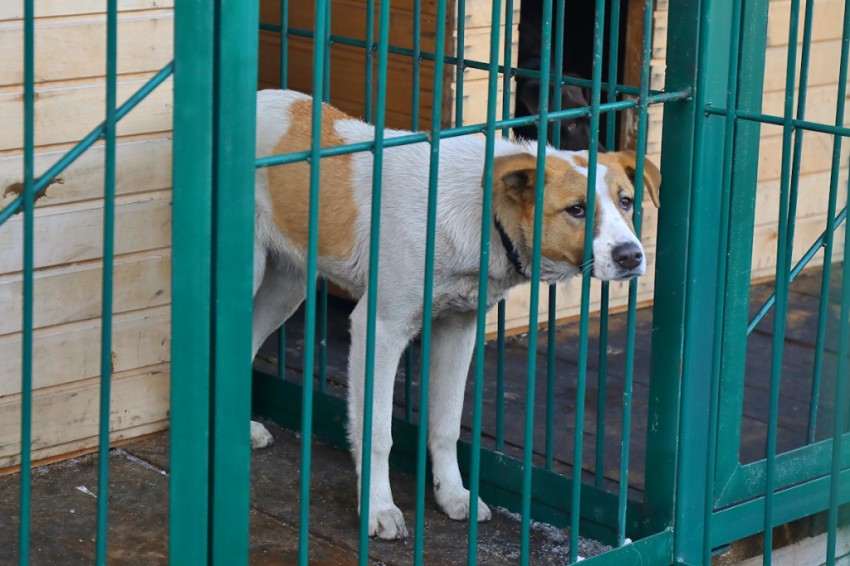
{"x":283,"y":125}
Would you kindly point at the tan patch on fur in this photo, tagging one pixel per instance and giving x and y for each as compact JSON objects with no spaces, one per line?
{"x":562,"y":235}
{"x":581,"y":161}
{"x":625,"y":163}
{"x":289,"y":186}
{"x":619,"y":183}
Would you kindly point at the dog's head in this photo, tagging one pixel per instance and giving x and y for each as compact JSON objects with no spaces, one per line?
{"x":575,"y":132}
{"x":617,"y":252}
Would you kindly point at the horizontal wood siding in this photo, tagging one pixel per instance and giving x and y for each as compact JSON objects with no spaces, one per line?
{"x":70,"y":98}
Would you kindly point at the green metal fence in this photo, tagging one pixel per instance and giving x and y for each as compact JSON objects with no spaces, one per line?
{"x":698,"y":496}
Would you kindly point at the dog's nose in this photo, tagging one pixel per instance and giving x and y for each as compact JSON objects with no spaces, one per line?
{"x":628,"y":255}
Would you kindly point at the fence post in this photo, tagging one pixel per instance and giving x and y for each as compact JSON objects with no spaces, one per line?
{"x":697,"y":60}
{"x":214,"y":155}
{"x":191,"y":273}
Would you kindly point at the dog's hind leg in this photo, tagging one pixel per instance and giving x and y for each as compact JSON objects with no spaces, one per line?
{"x":279,"y":293}
{"x":385,"y":519}
{"x":452,"y":343}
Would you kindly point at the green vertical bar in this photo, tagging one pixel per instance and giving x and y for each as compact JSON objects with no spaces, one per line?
{"x":552,"y":307}
{"x":370,"y":66}
{"x":741,"y":228}
{"x":631,"y":321}
{"x":234,"y":125}
{"x":531,"y":371}
{"x":712,"y":69}
{"x":323,"y":284}
{"x":28,"y":267}
{"x":417,"y":65}
{"x":829,"y":240}
{"x":284,"y":43}
{"x":602,"y":388}
{"x":106,"y":296}
{"x":584,"y":318}
{"x":460,"y":53}
{"x":839,"y":424}
{"x":414,"y":126}
{"x":782,"y":260}
{"x":319,"y":46}
{"x":551,"y":328}
{"x":428,"y":286}
{"x":190,"y":280}
{"x":372,"y":296}
{"x":602,"y":378}
{"x":500,"y":377}
{"x":720,"y":281}
{"x":500,"y":321}
{"x":483,"y":274}
{"x":613,"y":69}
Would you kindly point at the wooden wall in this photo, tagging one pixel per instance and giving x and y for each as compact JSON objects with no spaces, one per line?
{"x":70,"y":62}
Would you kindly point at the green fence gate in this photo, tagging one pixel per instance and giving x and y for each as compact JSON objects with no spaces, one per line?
{"x":698,"y":495}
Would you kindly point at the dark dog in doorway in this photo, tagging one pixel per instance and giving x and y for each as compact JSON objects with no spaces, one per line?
{"x":575,"y":132}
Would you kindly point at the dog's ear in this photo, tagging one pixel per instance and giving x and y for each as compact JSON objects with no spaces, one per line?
{"x":651,"y":174}
{"x":573,"y":96}
{"x":529,"y":95}
{"x":516,"y":176}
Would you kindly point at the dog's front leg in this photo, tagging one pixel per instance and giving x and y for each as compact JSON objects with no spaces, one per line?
{"x":385,"y":519}
{"x":452,"y":343}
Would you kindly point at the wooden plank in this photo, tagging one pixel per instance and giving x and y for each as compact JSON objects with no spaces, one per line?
{"x":826,"y":24}
{"x":816,"y":156}
{"x":55,"y":124}
{"x":71,"y":352}
{"x":65,"y":419}
{"x":814,"y":192}
{"x":806,"y":232}
{"x":141,"y":166}
{"x":479,"y":16}
{"x":73,"y":233}
{"x":348,"y":89}
{"x":823,"y":68}
{"x":54,"y":8}
{"x":76,"y":49}
{"x":477,"y":48}
{"x":72,"y":293}
{"x":820,"y":106}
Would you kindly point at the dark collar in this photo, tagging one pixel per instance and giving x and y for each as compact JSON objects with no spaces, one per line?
{"x":513,"y":256}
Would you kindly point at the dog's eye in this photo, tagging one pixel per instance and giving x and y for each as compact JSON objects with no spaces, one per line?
{"x":626,"y":202}
{"x":576,"y":210}
{"x":572,"y":127}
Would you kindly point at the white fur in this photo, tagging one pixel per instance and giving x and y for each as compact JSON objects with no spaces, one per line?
{"x":280,"y":287}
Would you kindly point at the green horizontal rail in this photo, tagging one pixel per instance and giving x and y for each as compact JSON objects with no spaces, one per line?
{"x":282,"y":159}
{"x":804,"y":261}
{"x":99,"y":132}
{"x":467,"y":63}
{"x":796,"y":124}
{"x":741,"y":521}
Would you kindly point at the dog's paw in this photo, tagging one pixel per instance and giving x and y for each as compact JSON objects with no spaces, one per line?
{"x":457,"y":507}
{"x":387,"y":523}
{"x":260,"y":437}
